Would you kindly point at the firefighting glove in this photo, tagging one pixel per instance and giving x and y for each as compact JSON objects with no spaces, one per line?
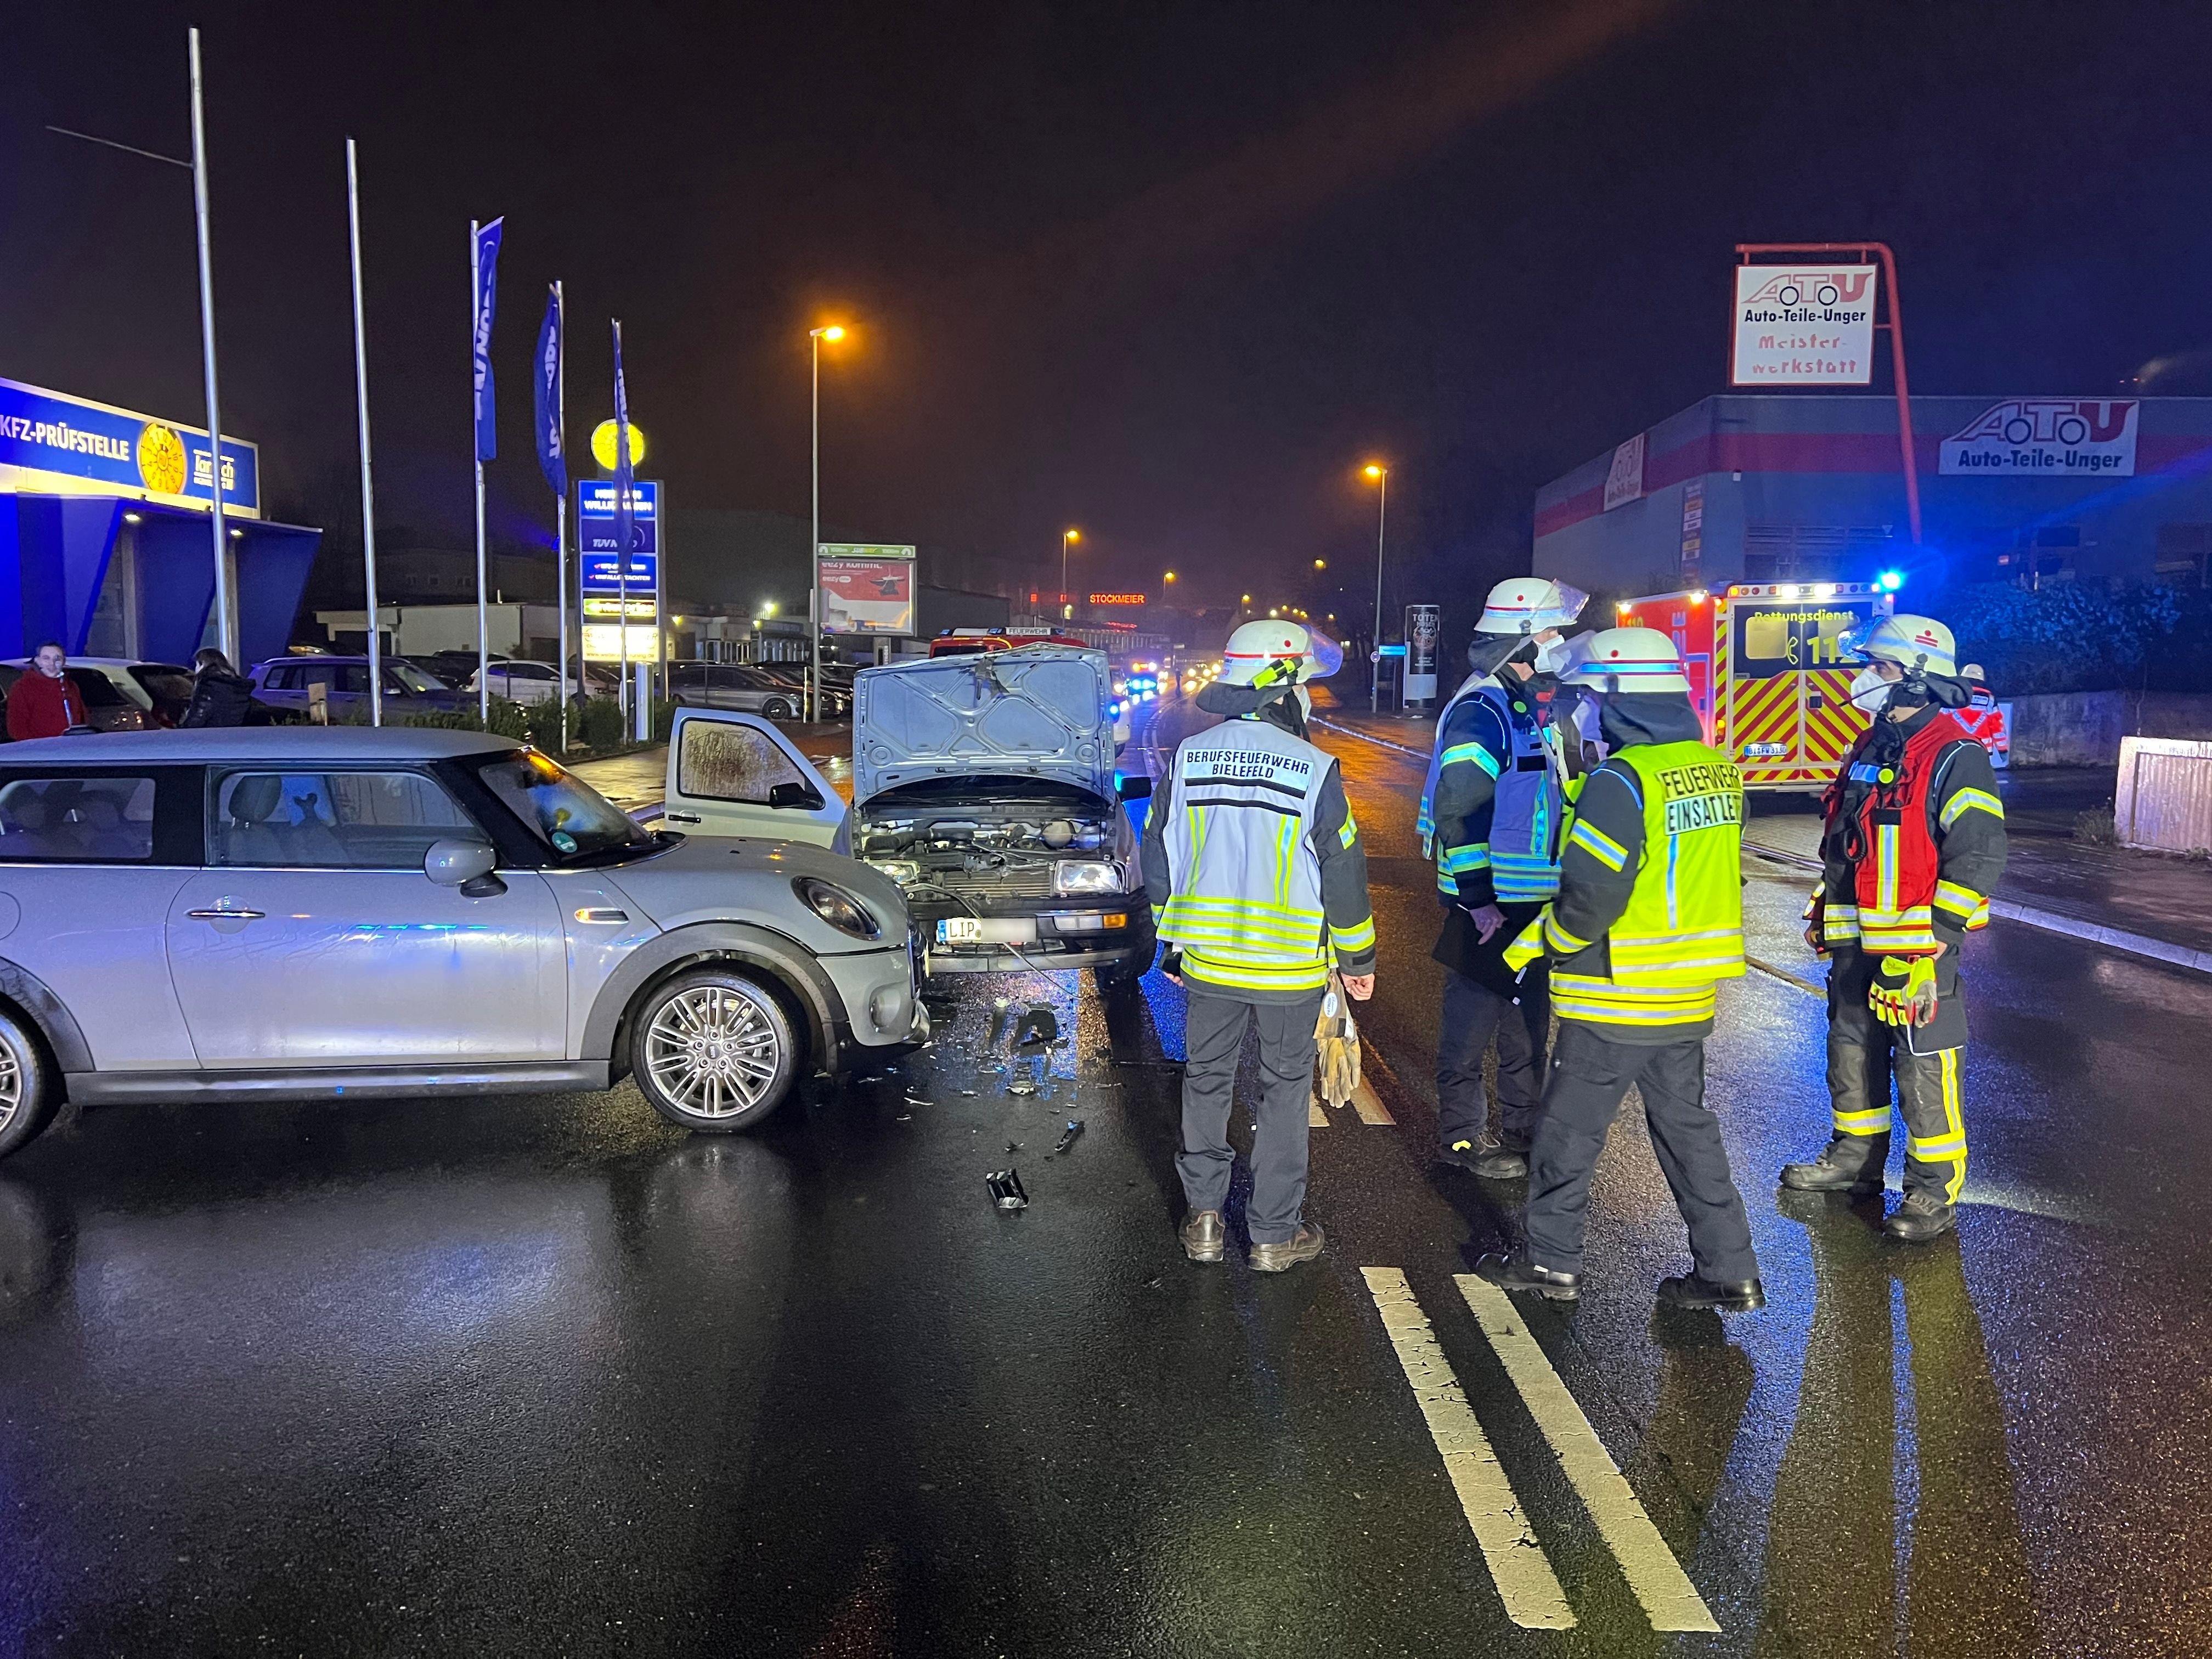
{"x":1904,"y":991}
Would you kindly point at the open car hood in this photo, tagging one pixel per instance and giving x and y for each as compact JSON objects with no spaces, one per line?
{"x":1038,"y":711}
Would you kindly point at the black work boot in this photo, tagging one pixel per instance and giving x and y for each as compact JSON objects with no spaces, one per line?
{"x":1204,"y":1238}
{"x":1849,"y":1164}
{"x":1517,"y":1273}
{"x":1695,"y":1290}
{"x":1494,"y":1157}
{"x":1921,"y":1216}
{"x":1302,"y":1245}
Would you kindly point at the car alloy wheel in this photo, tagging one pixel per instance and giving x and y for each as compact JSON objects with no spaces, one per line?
{"x":715,"y":1051}
{"x":776,"y":709}
{"x":27,"y":1094}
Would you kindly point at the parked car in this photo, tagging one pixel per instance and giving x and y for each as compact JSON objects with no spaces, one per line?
{"x":521,"y":681}
{"x":836,"y":694}
{"x":311,"y":913}
{"x":107,"y":707}
{"x":984,"y":785}
{"x":288,"y":682}
{"x":733,"y":685}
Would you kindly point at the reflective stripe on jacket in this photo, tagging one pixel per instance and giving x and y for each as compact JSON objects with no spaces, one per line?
{"x":1256,"y":870}
{"x":1650,"y":915}
{"x":1492,"y":808}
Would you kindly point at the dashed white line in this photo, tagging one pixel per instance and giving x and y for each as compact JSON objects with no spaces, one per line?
{"x":1668,"y":1596}
{"x":1518,"y":1565}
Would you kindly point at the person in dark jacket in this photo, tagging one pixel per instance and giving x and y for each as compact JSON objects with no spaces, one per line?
{"x":44,"y":702}
{"x":221,"y":695}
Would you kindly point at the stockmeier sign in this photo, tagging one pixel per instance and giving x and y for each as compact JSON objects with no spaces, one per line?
{"x":70,"y":446}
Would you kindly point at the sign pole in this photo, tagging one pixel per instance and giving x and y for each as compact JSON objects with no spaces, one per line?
{"x":224,"y":633}
{"x":367,"y":489}
{"x":814,"y":587}
{"x":476,"y":449}
{"x":1381,"y":516}
{"x":561,"y":527}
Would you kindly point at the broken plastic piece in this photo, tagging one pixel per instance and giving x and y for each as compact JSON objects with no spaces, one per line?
{"x":1039,"y":1025}
{"x":1005,"y":1190}
{"x":1067,"y":1139}
{"x":1021,"y":1086}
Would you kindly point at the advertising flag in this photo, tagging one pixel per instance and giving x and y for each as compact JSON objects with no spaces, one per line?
{"x":624,"y":504}
{"x":545,"y":396}
{"x":487,"y":300}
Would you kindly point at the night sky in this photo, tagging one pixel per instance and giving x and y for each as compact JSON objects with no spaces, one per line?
{"x":1167,"y":272}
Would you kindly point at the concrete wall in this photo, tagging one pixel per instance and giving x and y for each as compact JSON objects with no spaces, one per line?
{"x":2084,"y":728}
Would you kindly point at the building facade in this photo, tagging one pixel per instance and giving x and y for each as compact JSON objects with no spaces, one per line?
{"x":1811,"y":488}
{"x":104,"y":535}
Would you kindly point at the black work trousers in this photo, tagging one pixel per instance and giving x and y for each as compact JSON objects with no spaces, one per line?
{"x":1591,"y":1074}
{"x":1213,"y":1036}
{"x":1473,"y":1013}
{"x":1864,"y":1054}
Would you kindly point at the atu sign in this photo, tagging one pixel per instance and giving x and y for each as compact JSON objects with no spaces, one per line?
{"x":1798,"y":325}
{"x":2047,"y":438}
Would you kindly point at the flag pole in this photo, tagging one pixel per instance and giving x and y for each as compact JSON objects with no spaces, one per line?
{"x":367,"y":490}
{"x":561,"y":517}
{"x":476,"y":449}
{"x":622,"y":499}
{"x":223,"y":632}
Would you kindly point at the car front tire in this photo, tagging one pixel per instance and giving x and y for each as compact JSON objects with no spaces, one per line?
{"x":776,"y":709}
{"x":28,"y":1085}
{"x":713,"y":1050}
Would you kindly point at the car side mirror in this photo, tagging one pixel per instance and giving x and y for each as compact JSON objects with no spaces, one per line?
{"x":466,"y":865}
{"x":801,"y":795}
{"x":1134,"y":788}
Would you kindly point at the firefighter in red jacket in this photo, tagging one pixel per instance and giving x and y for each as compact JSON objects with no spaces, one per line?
{"x":1913,"y":845}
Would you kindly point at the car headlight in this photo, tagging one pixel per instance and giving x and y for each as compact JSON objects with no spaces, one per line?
{"x":836,"y":907}
{"x":1074,"y":876}
{"x":904,"y":872}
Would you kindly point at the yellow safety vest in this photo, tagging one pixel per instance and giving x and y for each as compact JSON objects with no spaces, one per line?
{"x":1683,"y":930}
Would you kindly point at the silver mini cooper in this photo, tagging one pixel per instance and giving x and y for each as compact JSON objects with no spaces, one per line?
{"x":307,"y":913}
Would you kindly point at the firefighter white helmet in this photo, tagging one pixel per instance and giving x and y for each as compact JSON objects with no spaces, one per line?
{"x":1918,"y":645}
{"x":1530,"y":604}
{"x":1632,"y":660}
{"x":1272,"y":653}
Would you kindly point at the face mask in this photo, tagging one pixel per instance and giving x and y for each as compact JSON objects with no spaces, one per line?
{"x":1869,"y":691}
{"x":1552,"y":656}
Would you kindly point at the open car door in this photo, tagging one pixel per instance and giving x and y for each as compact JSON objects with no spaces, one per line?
{"x":736,"y":774}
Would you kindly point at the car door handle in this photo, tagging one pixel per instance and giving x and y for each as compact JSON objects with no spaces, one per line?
{"x":680,"y":817}
{"x":226,"y":915}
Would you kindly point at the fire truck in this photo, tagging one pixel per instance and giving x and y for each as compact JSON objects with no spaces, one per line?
{"x":1768,"y":682}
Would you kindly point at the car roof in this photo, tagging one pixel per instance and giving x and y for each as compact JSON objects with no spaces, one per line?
{"x":303,"y":745}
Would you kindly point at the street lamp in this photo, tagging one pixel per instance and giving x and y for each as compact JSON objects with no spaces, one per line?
{"x":832,"y":332}
{"x":1381,"y":475}
{"x":1321,"y":564}
{"x":1068,"y":537}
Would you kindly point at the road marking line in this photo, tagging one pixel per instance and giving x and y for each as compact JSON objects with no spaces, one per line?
{"x":1315,"y":1117}
{"x":1368,"y":1104}
{"x":1668,"y":1596}
{"x":1517,"y":1563}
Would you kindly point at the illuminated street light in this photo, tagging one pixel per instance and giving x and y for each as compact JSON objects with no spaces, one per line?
{"x":1380,"y":475}
{"x":1066,"y":539}
{"x":1321,"y":564}
{"x":832,"y":332}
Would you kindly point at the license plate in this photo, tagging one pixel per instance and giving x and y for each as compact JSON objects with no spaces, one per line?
{"x":959,"y":930}
{"x":1764,"y":750}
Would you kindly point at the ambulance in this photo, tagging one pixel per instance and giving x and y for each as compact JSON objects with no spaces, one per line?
{"x":1769,"y":684}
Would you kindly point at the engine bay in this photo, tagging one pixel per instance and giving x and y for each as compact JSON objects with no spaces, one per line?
{"x":972,"y":841}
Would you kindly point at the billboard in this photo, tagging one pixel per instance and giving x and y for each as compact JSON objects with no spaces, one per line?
{"x":602,"y":573}
{"x":595,"y":520}
{"x":1802,"y":325}
{"x":2047,"y":438}
{"x":1624,"y":479}
{"x":81,"y":445}
{"x":867,"y":588}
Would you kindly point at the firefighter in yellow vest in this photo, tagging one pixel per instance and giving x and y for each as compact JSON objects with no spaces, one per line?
{"x":1648,"y":921}
{"x":1258,"y":886}
{"x":1913,"y":846}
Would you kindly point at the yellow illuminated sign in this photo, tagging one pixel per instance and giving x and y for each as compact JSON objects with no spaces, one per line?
{"x":603,"y":445}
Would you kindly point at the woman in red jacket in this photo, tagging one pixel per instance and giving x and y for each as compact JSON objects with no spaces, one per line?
{"x":43,"y":702}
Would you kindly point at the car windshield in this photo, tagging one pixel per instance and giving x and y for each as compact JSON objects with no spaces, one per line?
{"x":412,"y":678}
{"x":563,"y":812}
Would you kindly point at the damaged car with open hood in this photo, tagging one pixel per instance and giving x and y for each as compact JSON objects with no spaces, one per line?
{"x":985,"y":786}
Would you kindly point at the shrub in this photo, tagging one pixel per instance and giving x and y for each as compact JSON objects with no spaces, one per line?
{"x":2070,"y":636}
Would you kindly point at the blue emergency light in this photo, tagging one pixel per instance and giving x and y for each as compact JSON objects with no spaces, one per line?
{"x":1890,"y":580}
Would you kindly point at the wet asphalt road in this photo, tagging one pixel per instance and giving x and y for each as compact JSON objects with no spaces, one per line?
{"x":545,"y":1376}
